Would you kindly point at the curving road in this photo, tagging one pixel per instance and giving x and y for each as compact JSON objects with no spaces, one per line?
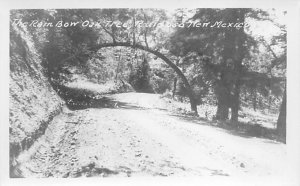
{"x":134,"y":135}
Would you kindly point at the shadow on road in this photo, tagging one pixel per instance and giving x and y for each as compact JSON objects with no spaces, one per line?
{"x":245,"y":130}
{"x":103,"y":102}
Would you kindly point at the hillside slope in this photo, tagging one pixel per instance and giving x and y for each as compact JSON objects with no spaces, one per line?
{"x":33,"y":102}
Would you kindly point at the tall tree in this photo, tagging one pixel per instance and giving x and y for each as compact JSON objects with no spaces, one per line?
{"x":226,"y":48}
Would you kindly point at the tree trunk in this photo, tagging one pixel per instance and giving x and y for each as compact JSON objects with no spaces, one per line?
{"x":117,"y":70}
{"x":175,"y":81}
{"x":235,"y":105}
{"x":270,"y":102}
{"x":223,"y":97}
{"x":222,"y":111}
{"x":174,"y":87}
{"x":281,"y":122}
{"x":228,"y":89}
{"x":254,"y":99}
{"x":238,"y":56}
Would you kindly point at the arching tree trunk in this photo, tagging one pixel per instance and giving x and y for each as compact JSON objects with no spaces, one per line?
{"x":175,"y":82}
{"x":164,"y":58}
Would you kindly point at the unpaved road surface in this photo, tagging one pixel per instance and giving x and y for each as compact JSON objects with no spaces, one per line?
{"x":135,"y":136}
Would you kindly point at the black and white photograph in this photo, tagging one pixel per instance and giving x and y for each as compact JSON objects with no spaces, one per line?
{"x":110,"y":93}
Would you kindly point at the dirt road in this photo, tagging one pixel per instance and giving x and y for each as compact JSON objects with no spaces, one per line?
{"x":136,"y":136}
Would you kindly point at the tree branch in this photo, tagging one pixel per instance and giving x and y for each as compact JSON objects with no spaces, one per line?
{"x":109,"y":33}
{"x":145,"y":33}
{"x":274,"y":62}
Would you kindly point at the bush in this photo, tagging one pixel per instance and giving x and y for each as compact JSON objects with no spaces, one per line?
{"x":140,"y":78}
{"x":160,"y":85}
